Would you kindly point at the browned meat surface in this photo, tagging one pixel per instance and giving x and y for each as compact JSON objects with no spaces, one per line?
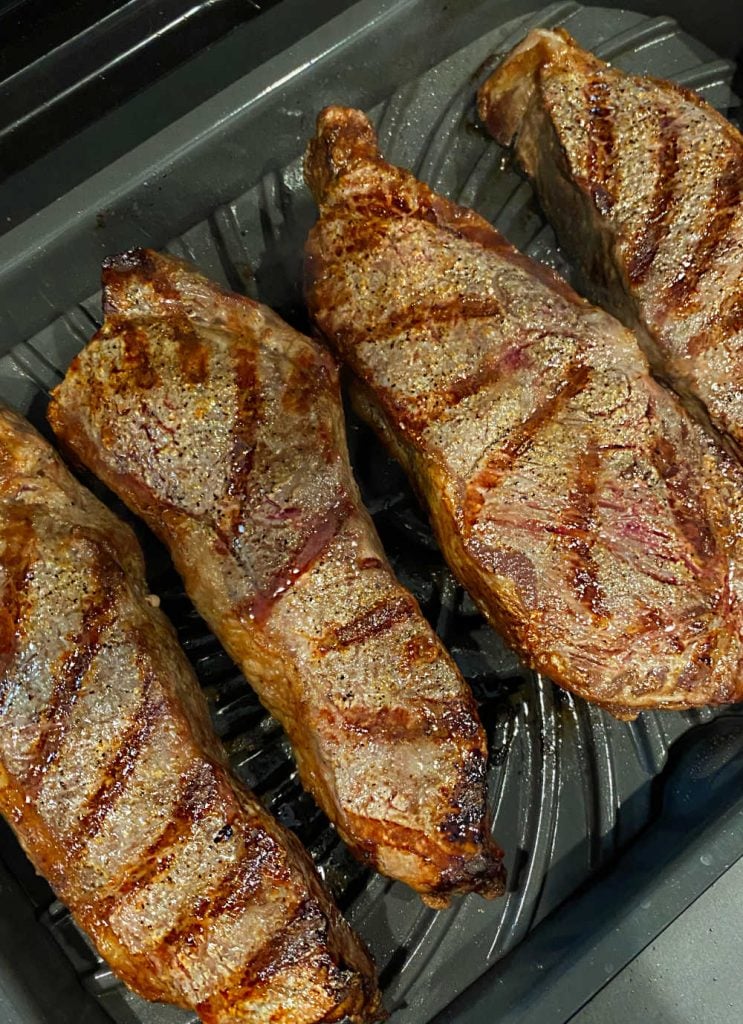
{"x":223,"y":428}
{"x":117,"y":788}
{"x":592,"y":520}
{"x":643,"y":181}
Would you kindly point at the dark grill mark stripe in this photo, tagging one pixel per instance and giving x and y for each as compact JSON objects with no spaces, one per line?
{"x":136,"y":362}
{"x":83,"y":648}
{"x":231,"y":894}
{"x":600,"y":142}
{"x":191,"y":351}
{"x":688,"y":510}
{"x":577,"y":534}
{"x":723,"y":207}
{"x":378,"y":618}
{"x":310,"y":376}
{"x":727,"y":323}
{"x":458,"y":391}
{"x":121,"y":767}
{"x":17,"y":562}
{"x":420,"y":315}
{"x":201,"y":791}
{"x":647,"y":242}
{"x":489,"y":372}
{"x":414,"y":414}
{"x":318,"y":535}
{"x":301,"y":941}
{"x":521,"y":440}
{"x":245,"y":434}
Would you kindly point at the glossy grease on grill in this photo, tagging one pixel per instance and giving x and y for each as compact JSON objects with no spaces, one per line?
{"x":593,"y":521}
{"x":118,"y":790}
{"x":643,"y":181}
{"x":223,"y":428}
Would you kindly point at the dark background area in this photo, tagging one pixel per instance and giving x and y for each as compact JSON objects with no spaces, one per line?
{"x":67,"y":68}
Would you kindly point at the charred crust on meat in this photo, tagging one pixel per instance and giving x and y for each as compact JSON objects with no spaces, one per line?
{"x":722,"y":210}
{"x":646,"y":244}
{"x":121,"y":767}
{"x":377,"y":618}
{"x":81,"y":650}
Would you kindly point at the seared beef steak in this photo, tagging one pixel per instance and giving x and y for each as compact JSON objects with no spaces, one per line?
{"x":116,"y":786}
{"x":223,"y":428}
{"x":594,"y":522}
{"x":643,"y":181}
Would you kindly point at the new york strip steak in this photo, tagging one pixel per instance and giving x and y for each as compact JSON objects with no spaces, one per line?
{"x":223,"y":428}
{"x":116,"y":786}
{"x":643,"y":181}
{"x":593,"y":521}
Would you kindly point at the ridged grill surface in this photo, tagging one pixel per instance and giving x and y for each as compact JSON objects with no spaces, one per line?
{"x":570,"y":786}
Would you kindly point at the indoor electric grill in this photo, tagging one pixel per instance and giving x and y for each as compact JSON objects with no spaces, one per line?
{"x":182,"y":127}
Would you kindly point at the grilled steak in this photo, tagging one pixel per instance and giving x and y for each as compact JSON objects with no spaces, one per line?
{"x":590,"y":517}
{"x":223,"y":428}
{"x":118,"y":790}
{"x":643,"y":181}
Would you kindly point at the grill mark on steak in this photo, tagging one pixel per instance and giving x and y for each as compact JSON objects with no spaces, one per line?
{"x":418,"y":413}
{"x":378,"y":618}
{"x":415,"y":414}
{"x":721,"y":212}
{"x":318,"y":535}
{"x":231,"y":894}
{"x":600,"y":142}
{"x":18,"y":561}
{"x":460,"y":307}
{"x":521,"y":439}
{"x":245,"y":435}
{"x":577,"y":534}
{"x":310,"y":374}
{"x":646,"y":243}
{"x":726,"y":323}
{"x":192,"y":353}
{"x":136,"y":360}
{"x":686,"y":506}
{"x":489,"y":372}
{"x":81,"y":648}
{"x":121,"y":766}
{"x":201,"y":793}
{"x":288,"y":949}
{"x":483,"y":376}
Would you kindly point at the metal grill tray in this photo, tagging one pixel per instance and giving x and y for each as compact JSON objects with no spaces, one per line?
{"x":605,"y":823}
